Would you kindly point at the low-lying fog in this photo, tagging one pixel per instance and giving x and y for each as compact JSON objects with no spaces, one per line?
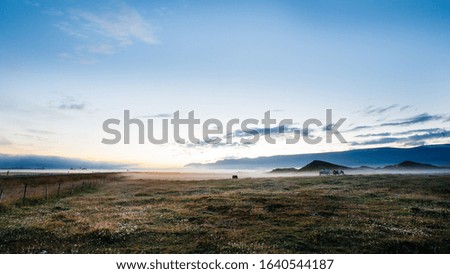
{"x":206,"y":174}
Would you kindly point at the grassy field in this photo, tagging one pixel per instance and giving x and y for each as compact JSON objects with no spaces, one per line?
{"x":347,"y":214}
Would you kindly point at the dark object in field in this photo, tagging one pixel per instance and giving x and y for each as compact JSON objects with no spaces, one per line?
{"x":234,"y":177}
{"x":338,"y":172}
{"x":329,"y":172}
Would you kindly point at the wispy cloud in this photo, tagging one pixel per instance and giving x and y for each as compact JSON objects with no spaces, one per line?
{"x":124,"y":26}
{"x":421,"y":118}
{"x":38,"y":131}
{"x":212,"y":144}
{"x":240,"y":136}
{"x":159,"y":115}
{"x":69,"y":103}
{"x":4,"y":142}
{"x":383,"y":110}
{"x":34,"y":161}
{"x":416,"y":119}
{"x":408,"y":132}
{"x":103,"y":32}
{"x":385,"y":140}
{"x":403,"y":108}
{"x":430,"y":135}
{"x":383,"y":134}
{"x":415,"y":131}
{"x":274,"y":131}
{"x":412,"y":139}
{"x":359,"y":128}
{"x":380,"y":110}
{"x":30,"y":137}
{"x":72,"y":106}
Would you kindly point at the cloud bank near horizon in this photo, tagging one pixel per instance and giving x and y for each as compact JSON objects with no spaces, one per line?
{"x":54,"y":162}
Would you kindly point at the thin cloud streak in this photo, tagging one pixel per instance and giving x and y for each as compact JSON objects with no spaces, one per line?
{"x":274,"y":131}
{"x":417,"y":119}
{"x":421,"y":118}
{"x":159,"y":115}
{"x":37,"y":131}
{"x":381,"y":110}
{"x":371,"y":110}
{"x":383,"y":134}
{"x":413,"y":139}
{"x":408,"y":132}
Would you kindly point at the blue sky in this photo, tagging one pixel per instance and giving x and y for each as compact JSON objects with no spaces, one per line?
{"x":66,"y":66}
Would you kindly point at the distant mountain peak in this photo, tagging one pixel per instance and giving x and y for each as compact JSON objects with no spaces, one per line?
{"x":411,"y":165}
{"x":284,"y":170}
{"x":318,"y":165}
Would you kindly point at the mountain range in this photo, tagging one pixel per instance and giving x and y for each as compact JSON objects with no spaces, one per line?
{"x":438,"y":155}
{"x":317,"y":165}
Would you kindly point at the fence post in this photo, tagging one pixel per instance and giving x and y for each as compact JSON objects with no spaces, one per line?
{"x":24,"y":193}
{"x":59,"y":189}
{"x":1,"y":195}
{"x":71,"y":190}
{"x":46,"y":192}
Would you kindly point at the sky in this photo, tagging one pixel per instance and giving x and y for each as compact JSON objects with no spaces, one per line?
{"x":67,"y":66}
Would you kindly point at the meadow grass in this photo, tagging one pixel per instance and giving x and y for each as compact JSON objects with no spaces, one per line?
{"x":332,"y":214}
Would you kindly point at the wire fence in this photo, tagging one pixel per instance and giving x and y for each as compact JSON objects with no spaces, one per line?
{"x":15,"y":189}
